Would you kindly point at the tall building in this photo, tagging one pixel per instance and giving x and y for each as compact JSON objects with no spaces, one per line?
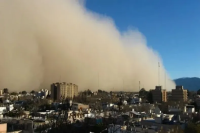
{"x":55,"y":91}
{"x":63,"y":90}
{"x":159,"y":95}
{"x":179,"y":94}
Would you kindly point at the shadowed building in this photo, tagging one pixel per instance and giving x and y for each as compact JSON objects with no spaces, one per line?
{"x":55,"y":91}
{"x":179,"y":94}
{"x":159,"y":95}
{"x":63,"y":90}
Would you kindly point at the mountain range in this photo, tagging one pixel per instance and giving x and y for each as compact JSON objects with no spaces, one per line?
{"x":191,"y":84}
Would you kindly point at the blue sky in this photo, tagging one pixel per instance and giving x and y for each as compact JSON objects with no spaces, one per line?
{"x":171,"y":27}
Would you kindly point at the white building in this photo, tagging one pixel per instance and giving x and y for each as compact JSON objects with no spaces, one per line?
{"x":10,"y":107}
{"x":189,"y":109}
{"x":43,"y":93}
{"x":175,"y":108}
{"x":2,"y":110}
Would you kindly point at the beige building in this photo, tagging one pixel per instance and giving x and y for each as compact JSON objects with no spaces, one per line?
{"x":179,"y":94}
{"x":63,"y":90}
{"x":159,"y":95}
{"x":3,"y":127}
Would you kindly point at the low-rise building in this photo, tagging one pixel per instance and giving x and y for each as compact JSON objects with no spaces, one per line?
{"x":189,"y":109}
{"x":79,"y":106}
{"x":174,"y":109}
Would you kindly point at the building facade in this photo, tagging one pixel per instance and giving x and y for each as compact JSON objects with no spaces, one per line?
{"x":159,"y":95}
{"x":179,"y":94}
{"x":63,"y":90}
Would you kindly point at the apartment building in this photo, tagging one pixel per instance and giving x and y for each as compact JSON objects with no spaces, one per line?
{"x":179,"y":94}
{"x":159,"y":95}
{"x":63,"y":90}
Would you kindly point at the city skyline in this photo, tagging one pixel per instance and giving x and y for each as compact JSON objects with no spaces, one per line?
{"x":99,"y":66}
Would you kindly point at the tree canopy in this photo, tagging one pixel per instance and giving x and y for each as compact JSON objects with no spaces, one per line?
{"x":198,"y":92}
{"x":13,"y":93}
{"x":24,"y":92}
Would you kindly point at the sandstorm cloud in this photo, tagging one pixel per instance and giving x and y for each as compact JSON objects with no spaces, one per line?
{"x":48,"y":41}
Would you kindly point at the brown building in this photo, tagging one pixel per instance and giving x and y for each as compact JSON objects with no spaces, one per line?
{"x":179,"y":94}
{"x":159,"y":95}
{"x":63,"y":90}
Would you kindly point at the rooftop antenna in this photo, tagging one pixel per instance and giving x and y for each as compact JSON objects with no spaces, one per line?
{"x":165,"y":81}
{"x":123,"y":84}
{"x":98,"y":80}
{"x":158,"y":73}
{"x":139,"y":85}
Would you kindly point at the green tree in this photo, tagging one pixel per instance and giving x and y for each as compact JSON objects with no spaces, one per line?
{"x":192,"y":128}
{"x":13,"y":93}
{"x":100,"y":91}
{"x":143,"y":93}
{"x":198,"y":92}
{"x":24,"y":92}
{"x":88,"y":92}
{"x":32,"y":92}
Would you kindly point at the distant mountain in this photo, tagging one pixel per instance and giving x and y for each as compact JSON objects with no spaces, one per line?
{"x":192,"y":84}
